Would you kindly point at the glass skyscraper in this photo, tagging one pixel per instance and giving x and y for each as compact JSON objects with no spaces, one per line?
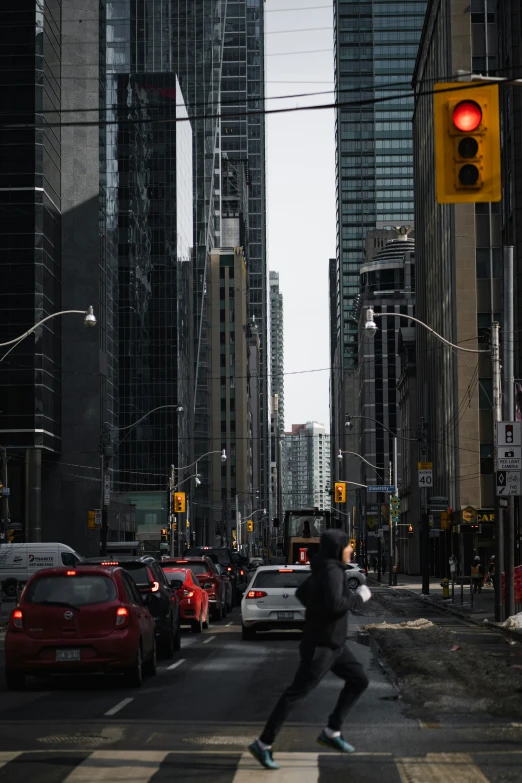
{"x":375,"y":50}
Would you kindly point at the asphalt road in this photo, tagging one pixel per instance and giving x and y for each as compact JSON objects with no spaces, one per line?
{"x":193,"y":721}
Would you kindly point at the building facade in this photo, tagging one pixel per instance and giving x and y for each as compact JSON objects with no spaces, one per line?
{"x":277,"y":379}
{"x":306,"y":473}
{"x":458,"y":251}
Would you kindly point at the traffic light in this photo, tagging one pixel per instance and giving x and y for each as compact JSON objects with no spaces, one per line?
{"x":410,"y":529}
{"x":250,"y":525}
{"x":179,"y":502}
{"x":353,"y":543}
{"x":467,"y":142}
{"x":164,"y":535}
{"x":340,"y":492}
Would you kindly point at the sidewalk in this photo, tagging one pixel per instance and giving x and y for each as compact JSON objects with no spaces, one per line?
{"x":483,"y":604}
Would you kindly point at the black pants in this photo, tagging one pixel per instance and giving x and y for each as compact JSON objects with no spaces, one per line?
{"x":315,"y":663}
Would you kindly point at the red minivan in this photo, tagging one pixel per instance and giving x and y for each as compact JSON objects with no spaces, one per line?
{"x":77,"y":621}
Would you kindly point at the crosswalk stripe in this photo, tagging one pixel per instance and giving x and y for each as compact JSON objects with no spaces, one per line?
{"x":7,"y":756}
{"x":294,"y":766}
{"x":440,"y":768}
{"x":125,"y":765}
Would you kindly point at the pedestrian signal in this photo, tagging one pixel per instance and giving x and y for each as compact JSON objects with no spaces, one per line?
{"x":164,"y":534}
{"x":179,"y":502}
{"x":467,"y":142}
{"x":340,"y":492}
{"x":250,"y":525}
{"x":353,"y":543}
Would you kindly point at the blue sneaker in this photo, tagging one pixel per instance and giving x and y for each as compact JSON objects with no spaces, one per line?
{"x":263,"y":756}
{"x":336,"y":743}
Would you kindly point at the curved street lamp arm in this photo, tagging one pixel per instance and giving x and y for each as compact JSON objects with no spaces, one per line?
{"x":160,"y":407}
{"x":441,"y":338}
{"x":360,"y":457}
{"x":47,"y":318}
{"x":393,"y":434}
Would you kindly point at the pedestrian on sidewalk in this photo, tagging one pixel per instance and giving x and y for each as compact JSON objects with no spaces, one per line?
{"x":491,"y":570}
{"x":374,"y":564}
{"x":477,"y":575}
{"x":384,"y":564}
{"x":327,"y":599}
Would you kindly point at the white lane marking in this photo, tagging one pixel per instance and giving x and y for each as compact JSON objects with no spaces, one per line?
{"x":209,"y":639}
{"x":7,"y":756}
{"x":294,"y":766}
{"x":187,"y":642}
{"x":176,"y":664}
{"x":118,"y":765}
{"x":119,"y":706}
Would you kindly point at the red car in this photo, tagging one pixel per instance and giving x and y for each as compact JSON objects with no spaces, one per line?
{"x":193,"y":600}
{"x":86,"y":620}
{"x":208,"y":577}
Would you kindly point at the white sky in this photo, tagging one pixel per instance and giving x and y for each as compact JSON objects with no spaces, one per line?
{"x":301,"y":196}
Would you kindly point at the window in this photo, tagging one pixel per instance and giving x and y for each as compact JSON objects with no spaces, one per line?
{"x":68,"y":559}
{"x":79,"y":590}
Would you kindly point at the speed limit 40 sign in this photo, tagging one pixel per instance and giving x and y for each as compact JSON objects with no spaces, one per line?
{"x":425,"y":474}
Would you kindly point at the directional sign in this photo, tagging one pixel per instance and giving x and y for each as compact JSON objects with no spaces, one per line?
{"x":107,"y":490}
{"x":509,"y":433}
{"x":508,"y":482}
{"x":508,"y":458}
{"x":425,"y":465}
{"x":381,"y":488}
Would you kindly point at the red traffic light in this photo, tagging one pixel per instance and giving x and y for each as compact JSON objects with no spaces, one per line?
{"x":467,"y":116}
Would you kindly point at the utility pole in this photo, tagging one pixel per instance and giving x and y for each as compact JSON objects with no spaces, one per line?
{"x":171,"y":517}
{"x":106,"y":454}
{"x":499,"y":529}
{"x":425,"y":523}
{"x":4,"y":529}
{"x":508,"y":402}
{"x":390,"y":523}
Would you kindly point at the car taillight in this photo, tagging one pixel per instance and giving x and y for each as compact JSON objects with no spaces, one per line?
{"x":109,"y":562}
{"x":188,"y":593}
{"x":242,"y":572}
{"x":256,"y":594}
{"x":122,"y":617}
{"x":70,"y":573}
{"x":16,"y":618}
{"x":229,"y":568}
{"x":155,"y":587}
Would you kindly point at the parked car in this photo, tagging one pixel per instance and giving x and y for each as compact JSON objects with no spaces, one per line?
{"x":18,"y":562}
{"x":269,"y":602}
{"x":193,"y":600}
{"x":161,"y":600}
{"x":223,"y":556}
{"x":225,"y":576}
{"x":209,"y":578}
{"x":355,"y":574}
{"x":80,"y":620}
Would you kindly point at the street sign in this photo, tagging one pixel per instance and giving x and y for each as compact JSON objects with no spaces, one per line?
{"x":508,"y":482}
{"x":107,"y":490}
{"x":425,"y":478}
{"x":508,"y":458}
{"x":425,"y":465}
{"x":509,"y":433}
{"x":6,"y":492}
{"x":381,"y":488}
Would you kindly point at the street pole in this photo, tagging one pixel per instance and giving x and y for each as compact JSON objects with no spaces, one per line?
{"x":508,"y":402}
{"x":499,"y":555}
{"x":390,"y":521}
{"x":237,"y":522}
{"x":5,"y":500}
{"x":170,"y":515}
{"x":106,"y":454}
{"x":425,"y":522}
{"x":396,"y":482}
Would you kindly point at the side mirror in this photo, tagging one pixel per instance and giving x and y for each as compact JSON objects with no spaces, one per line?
{"x":176,"y":584}
{"x":207,"y":585}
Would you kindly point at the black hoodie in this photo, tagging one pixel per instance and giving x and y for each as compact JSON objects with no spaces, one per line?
{"x":326,"y":594}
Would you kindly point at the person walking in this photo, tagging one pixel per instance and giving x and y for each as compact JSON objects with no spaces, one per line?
{"x":384,"y":564}
{"x":374,"y":563}
{"x":477,"y":575}
{"x":327,"y":599}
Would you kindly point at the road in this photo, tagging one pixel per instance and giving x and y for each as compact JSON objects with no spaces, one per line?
{"x":196,"y":717}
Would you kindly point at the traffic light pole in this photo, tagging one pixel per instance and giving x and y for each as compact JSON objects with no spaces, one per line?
{"x":5,"y":500}
{"x":499,"y":528}
{"x":170,"y":510}
{"x":508,"y":402}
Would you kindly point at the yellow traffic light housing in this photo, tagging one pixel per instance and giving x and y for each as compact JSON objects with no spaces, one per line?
{"x":179,"y":502}
{"x":340,"y":492}
{"x":467,"y":142}
{"x":164,"y":534}
{"x":250,"y":525}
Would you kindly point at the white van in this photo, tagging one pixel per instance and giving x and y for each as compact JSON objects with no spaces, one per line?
{"x":19,"y":561}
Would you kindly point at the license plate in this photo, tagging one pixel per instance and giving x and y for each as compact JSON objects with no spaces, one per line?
{"x":68,"y":655}
{"x":285,"y":615}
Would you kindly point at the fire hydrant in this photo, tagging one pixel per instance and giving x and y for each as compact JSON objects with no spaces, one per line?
{"x":445,"y":588}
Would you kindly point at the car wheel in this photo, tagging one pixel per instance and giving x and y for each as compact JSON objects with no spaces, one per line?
{"x":177,"y":638}
{"x":353,"y":583}
{"x":149,"y":667}
{"x":168,"y":643}
{"x":197,"y":625}
{"x":134,"y":675}
{"x":206,"y":624}
{"x":248,"y":634}
{"x":14,"y":680}
{"x":9,"y":588}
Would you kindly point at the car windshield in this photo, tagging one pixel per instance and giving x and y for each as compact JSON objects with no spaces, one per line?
{"x":175,"y":573}
{"x":139,"y":572}
{"x":217,"y":556}
{"x":281,"y":578}
{"x":76,"y":591}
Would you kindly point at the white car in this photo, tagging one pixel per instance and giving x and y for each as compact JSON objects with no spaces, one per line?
{"x":355,"y":574}
{"x":269,"y":601}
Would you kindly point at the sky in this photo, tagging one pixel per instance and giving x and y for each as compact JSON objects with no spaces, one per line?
{"x":301,"y":195}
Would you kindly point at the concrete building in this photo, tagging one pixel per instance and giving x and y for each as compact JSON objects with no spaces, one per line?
{"x":278,"y":395}
{"x":457,"y":262}
{"x":306,"y":476}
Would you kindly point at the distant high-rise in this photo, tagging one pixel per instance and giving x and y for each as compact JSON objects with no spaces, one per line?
{"x":306,"y":457}
{"x":278,"y":394}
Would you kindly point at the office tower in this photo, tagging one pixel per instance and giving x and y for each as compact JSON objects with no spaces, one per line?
{"x":306,"y":454}
{"x":458,"y":249}
{"x":243,"y":89}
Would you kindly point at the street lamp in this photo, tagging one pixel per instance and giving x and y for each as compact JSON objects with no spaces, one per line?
{"x":89,"y":319}
{"x":371,"y":327}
